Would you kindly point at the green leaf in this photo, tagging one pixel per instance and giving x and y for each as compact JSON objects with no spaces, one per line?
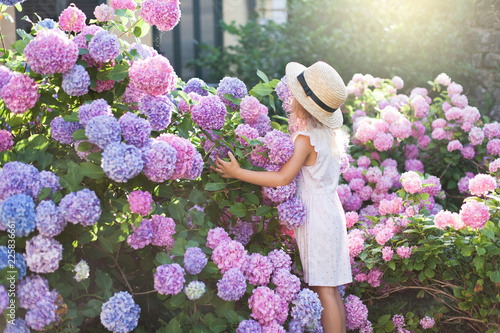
{"x":103,"y":280}
{"x":95,"y":157}
{"x":84,"y":146}
{"x":262,"y":89}
{"x":197,"y":196}
{"x":163,"y":258}
{"x":79,"y":135}
{"x":231,"y":316}
{"x":92,"y":308}
{"x":105,"y":244}
{"x":251,"y":198}
{"x":179,"y":247}
{"x":384,"y":319}
{"x":91,"y":170}
{"x":83,"y":51}
{"x":124,"y":13}
{"x":178,"y":299}
{"x":176,"y":210}
{"x":429,"y":273}
{"x":495,"y":277}
{"x":238,"y":209}
{"x":118,"y":73}
{"x":391,"y":265}
{"x":263,"y":210}
{"x":263,"y":76}
{"x":43,"y":193}
{"x":214,"y":186}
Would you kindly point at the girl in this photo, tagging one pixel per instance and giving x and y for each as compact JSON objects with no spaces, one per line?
{"x":318,"y":93}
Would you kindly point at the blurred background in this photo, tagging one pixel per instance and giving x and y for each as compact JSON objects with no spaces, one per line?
{"x":413,"y":39}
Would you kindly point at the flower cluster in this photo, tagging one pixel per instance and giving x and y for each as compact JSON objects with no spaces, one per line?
{"x":82,"y":270}
{"x":76,"y":81}
{"x":18,"y":211}
{"x":154,"y":76}
{"x":140,"y":202}
{"x":234,"y":87}
{"x":103,"y":130}
{"x":62,"y":130}
{"x":196,"y":85}
{"x":194,"y":290}
{"x":169,"y":279}
{"x":20,"y":262}
{"x":232,"y":285}
{"x":43,"y":254}
{"x":164,"y":14}
{"x":158,"y":110}
{"x":81,"y":207}
{"x":72,"y":19}
{"x":356,"y":313}
{"x":194,"y":260}
{"x":230,"y":254}
{"x":21,"y":93}
{"x":121,"y":162}
{"x":120,"y":313}
{"x":209,"y":113}
{"x":257,"y":269}
{"x":104,"y":46}
{"x":49,"y":220}
{"x":292,"y":213}
{"x":104,"y":13}
{"x":159,"y":161}
{"x":307,"y":309}
{"x":135,"y":130}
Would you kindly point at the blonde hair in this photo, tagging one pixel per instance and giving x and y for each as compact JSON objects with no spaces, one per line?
{"x":339,"y":138}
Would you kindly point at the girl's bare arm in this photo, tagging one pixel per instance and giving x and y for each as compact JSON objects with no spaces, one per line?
{"x":268,"y":178}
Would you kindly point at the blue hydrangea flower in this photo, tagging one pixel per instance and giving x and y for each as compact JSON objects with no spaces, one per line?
{"x":4,"y":298}
{"x":194,"y":260}
{"x":81,"y":207}
{"x":121,"y":162}
{"x":120,"y":313}
{"x":194,"y":290}
{"x":49,"y":220}
{"x":18,"y":211}
{"x":62,"y":130}
{"x":135,"y":130}
{"x":233,"y":86}
{"x":47,"y":23}
{"x":98,"y":107}
{"x":19,"y":326}
{"x":43,"y":314}
{"x":160,"y":159}
{"x":104,"y":46}
{"x":19,"y":178}
{"x":295,"y":327}
{"x":307,"y":309}
{"x":50,"y":180}
{"x":76,"y":81}
{"x":232,"y":285}
{"x":196,"y":85}
{"x":103,"y":130}
{"x":20,"y":262}
{"x":249,"y":326}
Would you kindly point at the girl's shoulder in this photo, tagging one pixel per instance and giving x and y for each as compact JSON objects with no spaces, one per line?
{"x":313,"y":138}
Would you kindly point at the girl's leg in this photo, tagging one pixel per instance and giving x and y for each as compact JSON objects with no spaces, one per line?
{"x":333,"y":315}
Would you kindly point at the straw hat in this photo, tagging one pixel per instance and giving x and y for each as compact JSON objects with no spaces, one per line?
{"x":319,"y":89}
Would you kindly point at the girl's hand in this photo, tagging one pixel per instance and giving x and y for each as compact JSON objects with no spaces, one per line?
{"x":227,"y":169}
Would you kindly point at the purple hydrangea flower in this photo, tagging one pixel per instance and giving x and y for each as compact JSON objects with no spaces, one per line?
{"x":43,"y":254}
{"x":20,"y":94}
{"x":295,"y":327}
{"x":169,"y":279}
{"x":232,"y":285}
{"x":98,"y":107}
{"x":209,"y":113}
{"x":242,"y":231}
{"x":194,"y":290}
{"x":140,"y":202}
{"x":279,"y":193}
{"x":194,"y":260}
{"x":197,"y":166}
{"x":249,"y":326}
{"x":43,"y":314}
{"x":76,"y":81}
{"x":292,"y":213}
{"x":120,"y":313}
{"x":196,"y":85}
{"x":19,"y":178}
{"x":232,"y":86}
{"x":62,"y":131}
{"x":104,"y":46}
{"x":164,"y":14}
{"x":4,"y":298}
{"x":262,"y":124}
{"x":5,"y":75}
{"x":50,"y":52}
{"x":49,"y":220}
{"x":257,"y":269}
{"x":81,"y":207}
{"x":142,"y":235}
{"x":217,"y":236}
{"x":31,"y":290}
{"x":185,"y":154}
{"x":245,"y":131}
{"x":19,"y":325}
{"x":49,"y":179}
{"x":280,"y":146}
{"x":159,"y":161}
{"x":284,"y":93}
{"x":135,"y":130}
{"x":103,"y":130}
{"x":356,"y":313}
{"x":158,"y":110}
{"x":280,"y":259}
{"x":307,"y":309}
{"x":121,"y":162}
{"x":18,"y":211}
{"x":287,"y":284}
{"x":163,"y":231}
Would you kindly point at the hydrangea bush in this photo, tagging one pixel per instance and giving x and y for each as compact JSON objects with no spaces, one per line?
{"x":105,"y":136}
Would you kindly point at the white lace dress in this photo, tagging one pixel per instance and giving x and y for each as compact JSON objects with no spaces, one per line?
{"x":322,"y":239}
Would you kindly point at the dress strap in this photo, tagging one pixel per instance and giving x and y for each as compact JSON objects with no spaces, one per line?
{"x":315,"y":142}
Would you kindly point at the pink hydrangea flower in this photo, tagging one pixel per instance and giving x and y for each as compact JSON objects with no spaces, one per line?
{"x":443,"y":79}
{"x":6,"y":141}
{"x":390,"y":114}
{"x":453,"y":113}
{"x":404,"y":252}
{"x":463,"y":183}
{"x":460,"y":101}
{"x":257,"y":269}
{"x":72,"y":19}
{"x":401,"y":128}
{"x":140,"y":202}
{"x":357,"y":184}
{"x":420,"y":106}
{"x":455,"y":145}
{"x":492,"y":148}
{"x":363,"y":162}
{"x":482,"y":184}
{"x":383,"y":141}
{"x":397,"y":82}
{"x":476,"y":136}
{"x":446,"y":106}
{"x":123,"y":4}
{"x":411,"y":182}
{"x":356,"y":242}
{"x":366,"y":132}
{"x":263,"y":305}
{"x":454,"y":88}
{"x":228,"y":255}
{"x":249,"y":108}
{"x":384,"y":235}
{"x":217,"y":236}
{"x":374,"y":277}
{"x":104,"y":13}
{"x":471,"y":114}
{"x":351,"y":219}
{"x":438,"y":123}
{"x":373,"y":174}
{"x":492,"y":130}
{"x":169,"y":279}
{"x":356,"y":313}
{"x":423,"y":141}
{"x":414,"y":165}
{"x":153,"y":76}
{"x":165,"y":14}
{"x":387,"y":253}
{"x":427,"y":322}
{"x":494,"y":166}
{"x":474,"y":214}
{"x":20,"y":94}
{"x":445,"y":218}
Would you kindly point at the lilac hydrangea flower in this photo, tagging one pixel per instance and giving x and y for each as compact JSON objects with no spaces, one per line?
{"x":197,"y":167}
{"x":280,"y":146}
{"x":234,"y":87}
{"x":232,"y":285}
{"x":43,"y":314}
{"x":30,"y":290}
{"x":153,"y":76}
{"x":104,"y":13}
{"x":142,"y":235}
{"x":356,"y":313}
{"x":81,"y":207}
{"x":4,"y":298}
{"x":229,"y":255}
{"x":163,"y":231}
{"x":50,"y":52}
{"x":242,"y":231}
{"x":263,"y":305}
{"x":72,"y":19}
{"x":158,"y":110}
{"x":194,"y":260}
{"x":279,"y":193}
{"x":194,"y":290}
{"x":43,"y":254}
{"x":98,"y":107}
{"x":292,"y":213}
{"x":185,"y":154}
{"x":120,"y":313}
{"x":196,"y":85}
{"x":132,"y":95}
{"x":284,"y":93}
{"x":245,"y":131}
{"x":164,"y":14}
{"x":104,"y":46}
{"x":62,"y":131}
{"x":140,"y":202}
{"x":5,"y":76}
{"x":159,"y":161}
{"x":217,"y":236}
{"x":257,"y":269}
{"x":209,"y":113}
{"x":49,"y":179}
{"x":135,"y":130}
{"x":18,"y":211}
{"x":287,"y":284}
{"x":103,"y":130}
{"x":143,"y":50}
{"x":121,"y":162}
{"x":19,"y":178}
{"x":280,"y":259}
{"x":249,"y":326}
{"x":49,"y":220}
{"x":76,"y":81}
{"x":20,"y":94}
{"x":169,"y":279}
{"x":19,"y":325}
{"x":307,"y":309}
